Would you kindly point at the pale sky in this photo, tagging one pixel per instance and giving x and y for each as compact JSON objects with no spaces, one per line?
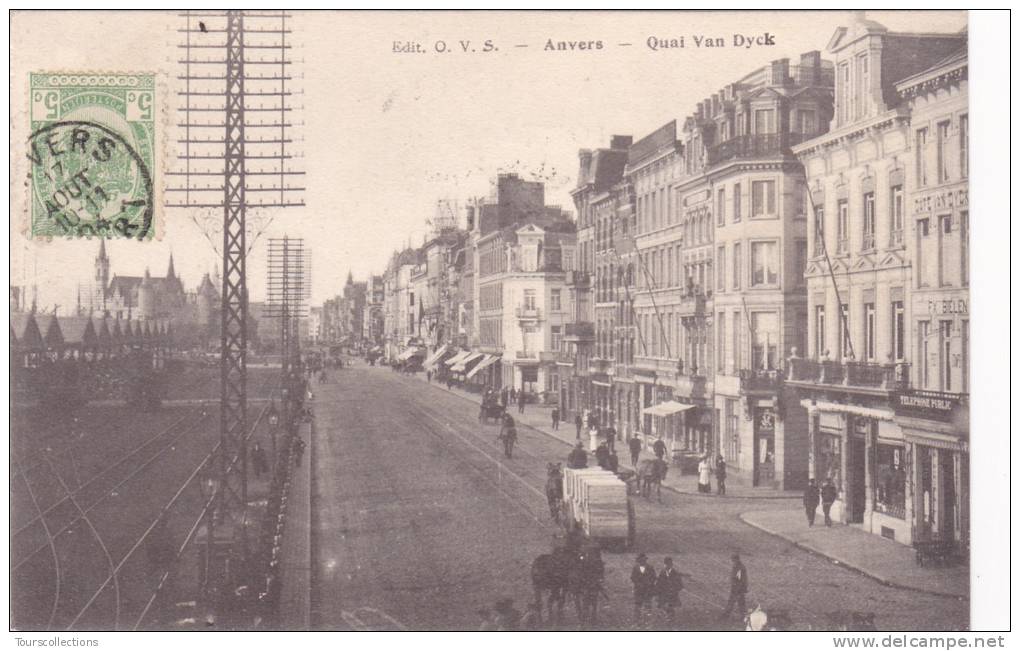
{"x":388,"y":134}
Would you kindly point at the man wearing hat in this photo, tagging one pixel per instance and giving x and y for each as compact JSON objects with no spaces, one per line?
{"x":738,"y":588}
{"x":643,"y":577}
{"x":669,"y":585}
{"x":577,"y":458}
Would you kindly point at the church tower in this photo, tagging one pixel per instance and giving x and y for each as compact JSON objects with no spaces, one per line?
{"x":102,"y":278}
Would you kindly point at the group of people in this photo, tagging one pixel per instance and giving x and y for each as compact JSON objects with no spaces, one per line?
{"x":705,"y":471}
{"x":605,"y":457}
{"x":826,"y":495}
{"x":665,"y":586}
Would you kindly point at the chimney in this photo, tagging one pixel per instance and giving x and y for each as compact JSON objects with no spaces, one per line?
{"x":810,"y":68}
{"x":716,"y":103}
{"x":699,"y":112}
{"x":779,"y":72}
{"x":471,"y":218}
{"x":621,"y":142}
{"x":584,"y":155}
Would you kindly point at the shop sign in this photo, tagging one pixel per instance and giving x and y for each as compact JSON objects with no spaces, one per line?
{"x":948,"y":306}
{"x":766,"y":421}
{"x":933,"y":405}
{"x":941,"y":200}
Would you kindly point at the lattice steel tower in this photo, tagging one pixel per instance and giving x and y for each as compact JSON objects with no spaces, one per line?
{"x":235,"y":154}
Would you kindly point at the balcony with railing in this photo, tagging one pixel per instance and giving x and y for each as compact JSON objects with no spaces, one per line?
{"x":693,"y":300}
{"x":580,"y":331}
{"x":767,"y":145}
{"x":867,"y":376}
{"x":760,"y":381}
{"x":526,"y":313}
{"x":578,"y":279}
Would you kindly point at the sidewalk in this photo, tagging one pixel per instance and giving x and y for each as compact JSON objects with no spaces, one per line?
{"x":296,"y":560}
{"x":885,"y":561}
{"x":539,"y":417}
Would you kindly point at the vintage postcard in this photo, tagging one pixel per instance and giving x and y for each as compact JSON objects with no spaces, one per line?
{"x":492,"y":321}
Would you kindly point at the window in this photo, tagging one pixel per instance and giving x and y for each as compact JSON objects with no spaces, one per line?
{"x":819,"y":230}
{"x":764,"y":269}
{"x":947,"y":253}
{"x":843,"y":101}
{"x":922,"y":356}
{"x":764,"y":121}
{"x":721,"y":342}
{"x":844,"y":331}
{"x":869,"y":331}
{"x":964,"y":248}
{"x":800,"y":261}
{"x":529,"y":299}
{"x":720,"y":266}
{"x":964,"y":145}
{"x":555,"y":300}
{"x":763,"y":198}
{"x":765,"y":326}
{"x":942,"y":165}
{"x":807,"y":121}
{"x":738,"y":349}
{"x":843,"y":227}
{"x":898,"y":330}
{"x":720,"y":207}
{"x":819,"y":331}
{"x":868,"y":241}
{"x":891,"y":480}
{"x":557,"y":337}
{"x":896,"y":215}
{"x":946,"y":354}
{"x":736,"y":203}
{"x":736,"y":265}
{"x":862,"y":83}
{"x":920,"y":144}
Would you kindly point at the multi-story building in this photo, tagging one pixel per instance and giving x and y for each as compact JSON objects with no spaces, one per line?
{"x":862,"y":275}
{"x":399,"y":312}
{"x":595,"y":198}
{"x":373,"y":323}
{"x":523,"y":250}
{"x":752,"y":186}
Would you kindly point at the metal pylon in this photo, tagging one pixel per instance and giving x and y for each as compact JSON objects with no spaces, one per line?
{"x":233,"y":492}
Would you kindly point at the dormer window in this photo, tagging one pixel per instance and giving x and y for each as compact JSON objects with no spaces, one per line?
{"x":764,"y":121}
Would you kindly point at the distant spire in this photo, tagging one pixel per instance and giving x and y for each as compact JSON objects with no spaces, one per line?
{"x":170,"y":267}
{"x":102,"y":249}
{"x":350,"y":277}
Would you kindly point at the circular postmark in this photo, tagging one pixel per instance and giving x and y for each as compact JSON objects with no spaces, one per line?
{"x":88,"y":181}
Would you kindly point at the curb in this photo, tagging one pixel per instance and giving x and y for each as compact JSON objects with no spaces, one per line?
{"x":678,"y":491}
{"x":854,"y":568}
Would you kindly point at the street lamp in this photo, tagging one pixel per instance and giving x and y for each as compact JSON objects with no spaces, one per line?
{"x":273,"y":417}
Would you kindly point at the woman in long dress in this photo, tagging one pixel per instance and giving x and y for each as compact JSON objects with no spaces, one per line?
{"x":704,"y":476}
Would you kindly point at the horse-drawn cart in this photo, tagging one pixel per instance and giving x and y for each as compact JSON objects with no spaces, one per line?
{"x":596,"y":501}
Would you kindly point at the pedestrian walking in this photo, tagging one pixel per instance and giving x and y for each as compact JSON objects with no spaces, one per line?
{"x":635,"y":449}
{"x":428,"y":376}
{"x":513,"y":394}
{"x":704,"y":475}
{"x":578,"y":424}
{"x":643,"y":577}
{"x":593,"y":439}
{"x":828,"y":495}
{"x":668,"y":586}
{"x":720,"y":475}
{"x":521,"y":399}
{"x":602,"y":455}
{"x":611,"y":438}
{"x":555,"y":418}
{"x":738,"y":589}
{"x":659,"y":448}
{"x":811,"y":499}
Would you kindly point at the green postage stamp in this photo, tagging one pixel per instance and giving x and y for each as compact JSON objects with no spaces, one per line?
{"x":91,"y":155}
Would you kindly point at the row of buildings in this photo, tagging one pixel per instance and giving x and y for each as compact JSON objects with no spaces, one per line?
{"x":780,"y":279}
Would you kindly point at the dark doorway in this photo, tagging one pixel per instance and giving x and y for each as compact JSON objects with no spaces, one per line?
{"x":947,"y":479}
{"x":855,"y":482}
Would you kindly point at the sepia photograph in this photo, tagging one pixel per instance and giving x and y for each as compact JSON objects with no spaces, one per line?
{"x":422,"y":321}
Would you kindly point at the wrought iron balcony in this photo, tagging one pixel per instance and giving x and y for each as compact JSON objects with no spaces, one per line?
{"x":760,"y":380}
{"x":580,"y":331}
{"x":528,"y":313}
{"x":867,"y":375}
{"x":767,"y":145}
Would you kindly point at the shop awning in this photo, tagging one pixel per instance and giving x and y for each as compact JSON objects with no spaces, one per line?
{"x":461,"y":366}
{"x":434,"y":357}
{"x":667,"y":408}
{"x":456,"y":358}
{"x":407,"y":354}
{"x":484,"y":364}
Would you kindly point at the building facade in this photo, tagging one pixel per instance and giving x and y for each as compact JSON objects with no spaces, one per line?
{"x":855,"y":376}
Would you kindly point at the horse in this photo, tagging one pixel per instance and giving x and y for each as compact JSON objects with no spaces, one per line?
{"x":651,"y":471}
{"x":549,"y":574}
{"x":554,"y":489}
{"x":584,"y":583}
